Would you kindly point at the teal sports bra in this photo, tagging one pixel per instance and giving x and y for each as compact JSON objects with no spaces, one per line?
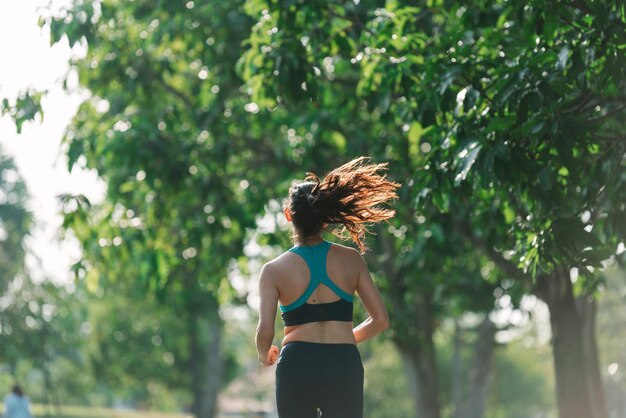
{"x":301,"y":312}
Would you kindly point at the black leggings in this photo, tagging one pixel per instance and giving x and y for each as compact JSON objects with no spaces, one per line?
{"x":325,"y":376}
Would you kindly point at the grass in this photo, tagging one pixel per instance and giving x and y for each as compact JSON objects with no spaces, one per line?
{"x":65,"y":411}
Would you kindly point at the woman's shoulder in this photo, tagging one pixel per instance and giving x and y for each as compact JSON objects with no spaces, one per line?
{"x":346,"y":256}
{"x":279,"y":262}
{"x":345,"y":251}
{"x":342,"y":247}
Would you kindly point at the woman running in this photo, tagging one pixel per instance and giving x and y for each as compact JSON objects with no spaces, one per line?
{"x":314,"y":282}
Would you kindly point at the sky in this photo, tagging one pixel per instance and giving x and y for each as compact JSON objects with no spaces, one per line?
{"x":28,"y":61}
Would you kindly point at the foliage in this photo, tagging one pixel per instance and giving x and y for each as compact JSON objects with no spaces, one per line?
{"x":41,"y":344}
{"x":136,"y":352}
{"x":164,"y":126}
{"x":505,"y":119}
{"x":507,"y":110}
{"x":168,"y":128}
{"x":39,"y":322}
{"x":502,"y":119}
{"x":26,"y":107}
{"x":15,"y":222}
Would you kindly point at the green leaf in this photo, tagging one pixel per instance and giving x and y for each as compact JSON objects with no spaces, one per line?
{"x":594,"y":257}
{"x":563,"y":58}
{"x":500,"y":124}
{"x":441,"y":201}
{"x":502,"y":150}
{"x":509,"y":215}
{"x":545,"y":179}
{"x":487,"y":166}
{"x":537,"y":127}
{"x":415,"y":132}
{"x":339,"y":140}
{"x":465,"y":160}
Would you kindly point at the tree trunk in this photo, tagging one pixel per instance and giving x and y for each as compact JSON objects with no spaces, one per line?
{"x":480,"y":373}
{"x":214,"y":371}
{"x":424,"y":385}
{"x":413,"y":328}
{"x":578,"y":385}
{"x":205,"y":335}
{"x":572,"y":387}
{"x":412,"y":378}
{"x":587,"y":307}
{"x":458,"y":382}
{"x":418,"y":353}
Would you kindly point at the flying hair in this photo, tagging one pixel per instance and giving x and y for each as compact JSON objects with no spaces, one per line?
{"x":355,"y":195}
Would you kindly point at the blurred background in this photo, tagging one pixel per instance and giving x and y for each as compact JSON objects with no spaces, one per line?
{"x":146,"y":147}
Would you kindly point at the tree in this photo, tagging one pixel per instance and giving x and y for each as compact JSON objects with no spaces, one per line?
{"x":503,"y":117}
{"x":15,"y":222}
{"x":510,"y":114}
{"x":25,"y":108}
{"x":35,"y":325}
{"x":427,"y":266}
{"x":124,"y":80}
{"x":169,"y":129}
{"x":611,"y":331}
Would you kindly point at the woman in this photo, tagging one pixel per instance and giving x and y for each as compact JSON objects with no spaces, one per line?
{"x":314,"y":283}
{"x":16,"y":405}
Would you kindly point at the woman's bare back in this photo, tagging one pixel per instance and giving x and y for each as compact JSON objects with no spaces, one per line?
{"x":292,"y":276}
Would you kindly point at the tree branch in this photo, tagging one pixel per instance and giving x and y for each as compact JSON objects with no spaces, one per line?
{"x":502,"y":263}
{"x":610,"y":138}
{"x":582,"y":6}
{"x":579,"y":102}
{"x":175,"y":92}
{"x":609,"y":114}
{"x":614,"y":172}
{"x":153,"y":76}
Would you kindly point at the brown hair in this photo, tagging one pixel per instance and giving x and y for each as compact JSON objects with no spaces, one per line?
{"x":350,"y":195}
{"x":17,"y":391}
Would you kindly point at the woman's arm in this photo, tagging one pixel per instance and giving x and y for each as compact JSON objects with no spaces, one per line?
{"x":378,"y":319}
{"x":9,"y":405}
{"x":268,"y":293}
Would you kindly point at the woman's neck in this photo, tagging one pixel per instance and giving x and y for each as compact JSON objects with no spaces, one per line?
{"x":310,"y":240}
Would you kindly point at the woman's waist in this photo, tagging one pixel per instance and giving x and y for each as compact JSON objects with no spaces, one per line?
{"x":326,"y":332}
{"x":320,"y":355}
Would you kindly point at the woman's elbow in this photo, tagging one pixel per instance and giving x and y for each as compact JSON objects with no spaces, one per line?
{"x":264,"y":333}
{"x":382,"y":321}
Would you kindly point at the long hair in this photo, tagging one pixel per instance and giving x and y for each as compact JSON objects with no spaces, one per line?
{"x":352,"y":196}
